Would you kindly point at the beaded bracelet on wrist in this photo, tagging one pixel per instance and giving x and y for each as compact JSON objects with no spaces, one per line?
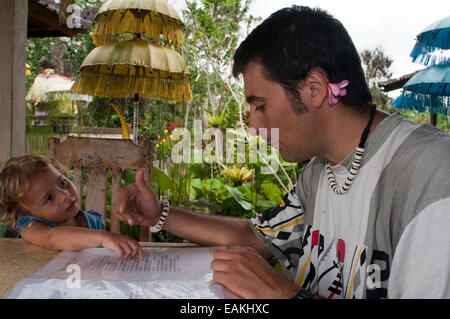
{"x":165,"y":211}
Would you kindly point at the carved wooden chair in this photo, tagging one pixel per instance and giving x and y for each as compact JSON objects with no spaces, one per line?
{"x":98,"y":156}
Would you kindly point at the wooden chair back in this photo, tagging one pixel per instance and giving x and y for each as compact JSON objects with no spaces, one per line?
{"x":98,"y":156}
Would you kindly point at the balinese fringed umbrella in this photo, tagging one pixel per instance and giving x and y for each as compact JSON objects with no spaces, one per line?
{"x":422,"y":103}
{"x":434,"y":80}
{"x":47,"y":82}
{"x":154,"y":18}
{"x":429,"y":89}
{"x":134,"y":67}
{"x":140,"y":67}
{"x":433,"y":38}
{"x":52,"y":86}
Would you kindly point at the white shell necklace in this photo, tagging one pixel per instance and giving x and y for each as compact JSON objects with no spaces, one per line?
{"x":356,"y":161}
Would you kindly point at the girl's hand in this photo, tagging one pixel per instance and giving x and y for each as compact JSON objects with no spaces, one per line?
{"x":123,"y":245}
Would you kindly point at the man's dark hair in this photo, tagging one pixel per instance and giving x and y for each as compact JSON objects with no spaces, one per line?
{"x":294,"y":40}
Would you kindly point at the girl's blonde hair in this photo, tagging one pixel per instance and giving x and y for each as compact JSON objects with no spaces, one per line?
{"x":15,"y":181}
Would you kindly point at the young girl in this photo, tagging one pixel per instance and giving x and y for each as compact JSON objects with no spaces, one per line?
{"x":42,"y":204}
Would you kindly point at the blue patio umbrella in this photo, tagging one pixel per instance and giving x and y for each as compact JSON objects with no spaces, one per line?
{"x":434,"y":80}
{"x":422,"y":103}
{"x":428,"y":90}
{"x":435,"y":37}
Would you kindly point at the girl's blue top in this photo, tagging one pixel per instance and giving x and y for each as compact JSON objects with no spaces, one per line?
{"x":94,"y":220}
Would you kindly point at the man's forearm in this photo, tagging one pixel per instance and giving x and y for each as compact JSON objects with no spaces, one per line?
{"x":210,"y":230}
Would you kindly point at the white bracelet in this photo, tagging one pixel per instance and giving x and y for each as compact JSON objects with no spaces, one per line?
{"x":156,"y":228}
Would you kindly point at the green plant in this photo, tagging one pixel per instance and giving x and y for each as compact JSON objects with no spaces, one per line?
{"x":424,"y":118}
{"x":2,"y":230}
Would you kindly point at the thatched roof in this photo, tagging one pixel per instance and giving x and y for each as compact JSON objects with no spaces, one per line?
{"x":397,"y":83}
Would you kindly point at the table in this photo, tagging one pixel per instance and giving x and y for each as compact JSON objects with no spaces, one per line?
{"x":20,"y":259}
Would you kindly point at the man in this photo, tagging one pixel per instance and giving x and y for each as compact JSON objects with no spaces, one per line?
{"x":369,"y":215}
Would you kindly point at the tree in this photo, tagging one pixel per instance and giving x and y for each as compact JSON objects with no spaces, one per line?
{"x":376,"y":66}
{"x":212,"y":29}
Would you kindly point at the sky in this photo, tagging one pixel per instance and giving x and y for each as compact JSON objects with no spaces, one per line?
{"x":390,"y":24}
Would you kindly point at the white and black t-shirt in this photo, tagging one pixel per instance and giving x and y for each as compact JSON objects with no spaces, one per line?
{"x":388,"y":237}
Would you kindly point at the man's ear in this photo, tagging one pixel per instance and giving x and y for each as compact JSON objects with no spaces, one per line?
{"x":316,"y":84}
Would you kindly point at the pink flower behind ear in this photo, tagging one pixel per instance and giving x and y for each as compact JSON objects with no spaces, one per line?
{"x":336,"y":90}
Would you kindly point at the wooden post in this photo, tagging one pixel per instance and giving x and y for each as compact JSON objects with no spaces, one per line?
{"x":144,"y":232}
{"x":433,"y":119}
{"x":13,"y":36}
